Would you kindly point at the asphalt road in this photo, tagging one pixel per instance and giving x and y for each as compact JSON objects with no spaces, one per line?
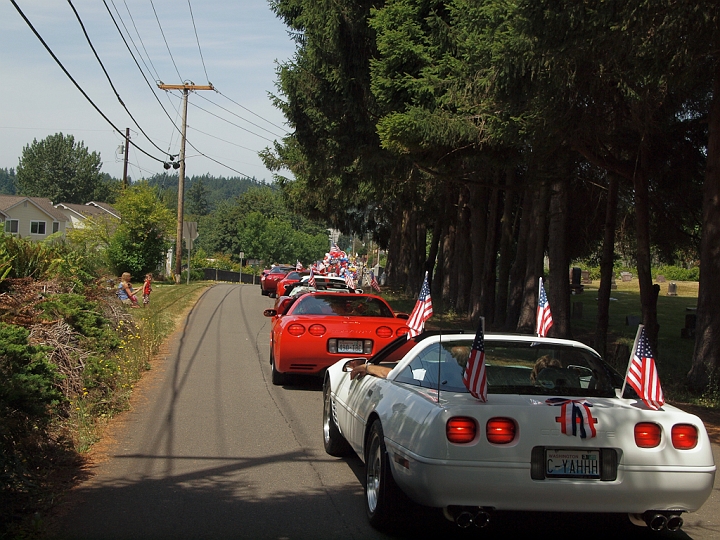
{"x":213,"y":450}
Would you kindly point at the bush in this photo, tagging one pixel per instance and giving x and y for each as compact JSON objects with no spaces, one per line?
{"x":83,"y":316}
{"x":677,"y":273}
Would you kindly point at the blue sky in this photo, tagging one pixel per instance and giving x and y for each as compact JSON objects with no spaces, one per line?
{"x":240,"y":41}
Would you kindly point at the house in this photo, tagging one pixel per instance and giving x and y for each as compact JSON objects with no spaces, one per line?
{"x":31,"y":217}
{"x":76,"y":214}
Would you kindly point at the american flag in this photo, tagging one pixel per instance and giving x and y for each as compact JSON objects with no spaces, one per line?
{"x":349,"y":281}
{"x":642,"y":375}
{"x":544,"y":317}
{"x":422,"y":310}
{"x":475,"y":377}
{"x":311,"y":279}
{"x":374,"y":282}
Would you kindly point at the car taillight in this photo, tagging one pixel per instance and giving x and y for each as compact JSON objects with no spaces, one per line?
{"x":367,"y":346}
{"x":500,"y":430}
{"x":402,"y":331}
{"x":332,"y":345}
{"x":296,"y":329}
{"x":684,"y":436}
{"x":317,"y":330}
{"x":460,"y":430}
{"x":384,"y":332}
{"x":647,"y":435}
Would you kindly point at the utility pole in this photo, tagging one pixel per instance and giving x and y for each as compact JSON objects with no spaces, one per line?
{"x":125,"y":164}
{"x":186,"y":88}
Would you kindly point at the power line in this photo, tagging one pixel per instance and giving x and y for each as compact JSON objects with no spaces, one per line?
{"x":232,"y":123}
{"x":77,"y":15}
{"x":248,"y":110}
{"x":166,"y":43}
{"x":198,"y":42}
{"x":137,"y":32}
{"x":240,"y":117}
{"x":223,"y":140}
{"x":47,"y":48}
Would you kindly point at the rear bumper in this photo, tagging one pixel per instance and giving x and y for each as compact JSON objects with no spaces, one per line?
{"x":508,"y":486}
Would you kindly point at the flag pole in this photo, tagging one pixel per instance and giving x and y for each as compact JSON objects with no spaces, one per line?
{"x":632,"y":354}
{"x":537,"y":326}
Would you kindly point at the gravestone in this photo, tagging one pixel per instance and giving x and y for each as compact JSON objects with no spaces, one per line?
{"x":672,"y":289}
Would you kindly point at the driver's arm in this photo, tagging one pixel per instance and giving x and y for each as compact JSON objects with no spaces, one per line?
{"x":370,"y":369}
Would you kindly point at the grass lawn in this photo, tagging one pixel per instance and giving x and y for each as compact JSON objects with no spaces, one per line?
{"x":674,"y":355}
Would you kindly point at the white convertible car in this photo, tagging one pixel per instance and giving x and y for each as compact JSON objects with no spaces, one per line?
{"x":554,"y":435}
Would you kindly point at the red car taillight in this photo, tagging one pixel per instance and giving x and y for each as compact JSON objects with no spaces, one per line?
{"x":296,"y":329}
{"x":402,"y":331}
{"x":461,"y":430}
{"x":684,"y":436}
{"x":317,"y":330}
{"x":384,"y":332}
{"x":647,"y":435}
{"x":500,"y":430}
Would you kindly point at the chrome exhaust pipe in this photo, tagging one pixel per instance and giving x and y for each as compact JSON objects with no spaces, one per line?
{"x":481,"y":519}
{"x":656,"y":522}
{"x":464,"y":520}
{"x":674,"y":523}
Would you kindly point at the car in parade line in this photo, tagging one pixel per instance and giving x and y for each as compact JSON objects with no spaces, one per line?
{"x":322,"y":283}
{"x":312,"y":330}
{"x":556,"y":434}
{"x":270,"y":278}
{"x":290,"y":278}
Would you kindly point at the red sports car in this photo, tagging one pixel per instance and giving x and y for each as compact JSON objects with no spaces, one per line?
{"x":269,"y":279}
{"x":314,"y":330}
{"x":291,"y":277}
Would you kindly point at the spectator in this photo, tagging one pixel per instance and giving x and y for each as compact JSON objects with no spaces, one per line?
{"x":125,"y":291}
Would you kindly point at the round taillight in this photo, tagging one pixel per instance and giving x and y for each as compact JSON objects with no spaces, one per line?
{"x":384,"y":332}
{"x":296,"y":329}
{"x":500,"y":430}
{"x":684,"y":436}
{"x":647,"y":435}
{"x":402,"y":331}
{"x":317,"y":330}
{"x":461,"y":430}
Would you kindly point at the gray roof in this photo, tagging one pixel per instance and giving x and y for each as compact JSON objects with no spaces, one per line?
{"x":7,"y":202}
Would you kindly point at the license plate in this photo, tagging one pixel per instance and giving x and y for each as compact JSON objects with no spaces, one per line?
{"x":350,"y":346}
{"x":575,"y":463}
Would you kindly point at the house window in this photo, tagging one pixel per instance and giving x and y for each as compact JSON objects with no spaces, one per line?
{"x":37,"y":227}
{"x":56,"y":226}
{"x":11,"y":226}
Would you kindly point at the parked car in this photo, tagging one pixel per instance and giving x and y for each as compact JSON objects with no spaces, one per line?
{"x":270,"y":278}
{"x":557,"y":439}
{"x":311,"y":331}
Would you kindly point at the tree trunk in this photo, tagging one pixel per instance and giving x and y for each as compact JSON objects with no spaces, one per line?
{"x":394,"y":247}
{"x":559,"y":285}
{"x":463,"y":254}
{"x":506,"y":239}
{"x":706,"y":357}
{"x":517,"y":273}
{"x":487,"y":294}
{"x":478,"y":233}
{"x":535,"y":263}
{"x":606,"y":267}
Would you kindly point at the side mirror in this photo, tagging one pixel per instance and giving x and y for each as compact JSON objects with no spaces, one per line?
{"x":358,"y":291}
{"x":350,"y":364}
{"x":270,"y":312}
{"x":402,"y":316}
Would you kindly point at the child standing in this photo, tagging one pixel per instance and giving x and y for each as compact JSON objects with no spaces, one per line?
{"x":147,"y":289}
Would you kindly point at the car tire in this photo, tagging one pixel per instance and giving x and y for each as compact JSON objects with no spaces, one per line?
{"x":278,"y":379}
{"x":385,"y":503}
{"x":334,"y":442}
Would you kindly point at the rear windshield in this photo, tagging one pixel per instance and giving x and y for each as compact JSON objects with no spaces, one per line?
{"x":515,"y":368}
{"x":341,"y":305}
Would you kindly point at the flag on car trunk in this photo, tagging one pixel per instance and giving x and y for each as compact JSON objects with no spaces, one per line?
{"x":374,"y":282}
{"x":311,"y":279}
{"x":544,"y":317}
{"x":422,"y":310}
{"x":475,"y":377}
{"x":642,"y":375}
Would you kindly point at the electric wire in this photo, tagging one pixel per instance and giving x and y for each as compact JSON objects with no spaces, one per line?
{"x":231,"y":123}
{"x":166,"y":43}
{"x":107,"y":75}
{"x":67,"y":73}
{"x":198,"y":44}
{"x":137,"y":32}
{"x":240,"y":117}
{"x":248,"y":110}
{"x":220,"y":139}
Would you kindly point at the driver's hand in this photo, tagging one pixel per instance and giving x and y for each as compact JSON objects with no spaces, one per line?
{"x":358,"y":372}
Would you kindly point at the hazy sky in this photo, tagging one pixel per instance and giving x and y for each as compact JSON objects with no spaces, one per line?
{"x":240,"y":42}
